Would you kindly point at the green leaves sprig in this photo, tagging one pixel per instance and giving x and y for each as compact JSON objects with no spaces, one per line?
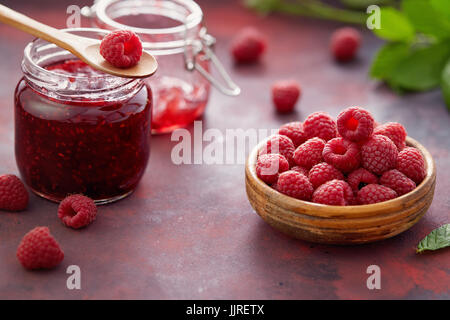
{"x":438,"y":238}
{"x":417,"y":56}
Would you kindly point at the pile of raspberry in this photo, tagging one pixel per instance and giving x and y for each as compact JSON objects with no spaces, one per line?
{"x":349,"y":161}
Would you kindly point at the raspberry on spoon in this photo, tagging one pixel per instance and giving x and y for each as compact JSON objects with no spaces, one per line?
{"x":121,"y":48}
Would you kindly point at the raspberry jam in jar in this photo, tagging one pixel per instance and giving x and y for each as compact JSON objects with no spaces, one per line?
{"x":78,"y":130}
{"x":172,"y":31}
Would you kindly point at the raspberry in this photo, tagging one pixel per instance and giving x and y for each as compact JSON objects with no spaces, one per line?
{"x":39,"y":250}
{"x":342,"y":154}
{"x":294,"y":131}
{"x":360,"y":178}
{"x":309,"y":153}
{"x":320,"y":124}
{"x":345,"y":43}
{"x":121,"y":48}
{"x":13,"y":195}
{"x":248,"y":46}
{"x":394,"y":131}
{"x":373,"y":193}
{"x":269,"y":165}
{"x":285,"y":95}
{"x":294,"y":184}
{"x":355,"y":124}
{"x":411,"y":163}
{"x":379,"y":154}
{"x":301,"y":170}
{"x":397,"y":181}
{"x":281,"y":145}
{"x":323,"y":172}
{"x":77,"y":211}
{"x":334,"y":193}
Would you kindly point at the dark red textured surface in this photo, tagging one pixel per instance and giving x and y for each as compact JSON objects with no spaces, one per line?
{"x":189,"y":231}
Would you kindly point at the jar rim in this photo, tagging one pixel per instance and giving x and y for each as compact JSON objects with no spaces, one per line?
{"x":30,"y":45}
{"x":192,"y":20}
{"x":66,"y":86}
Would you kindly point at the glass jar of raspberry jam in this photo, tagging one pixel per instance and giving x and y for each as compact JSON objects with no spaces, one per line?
{"x":173,"y":31}
{"x":78,"y":130}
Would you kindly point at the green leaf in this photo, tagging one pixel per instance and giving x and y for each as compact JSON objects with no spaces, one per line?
{"x":445,"y":84}
{"x":422,"y":69}
{"x":394,"y":26}
{"x":387,"y":58}
{"x":426,"y":19}
{"x":443,"y":7}
{"x":438,"y":238}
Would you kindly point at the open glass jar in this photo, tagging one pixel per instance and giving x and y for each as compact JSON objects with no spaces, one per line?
{"x":78,"y":130}
{"x":172,"y":31}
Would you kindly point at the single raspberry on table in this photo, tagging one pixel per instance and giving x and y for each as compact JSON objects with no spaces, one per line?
{"x":285,"y":95}
{"x":39,"y":250}
{"x":379,"y":154}
{"x":342,"y":154}
{"x":294,"y":131}
{"x":279,"y":144}
{"x":320,"y":124}
{"x":269,"y":166}
{"x":355,"y":124}
{"x":13,"y":194}
{"x":374,"y":193}
{"x":323,"y":172}
{"x":77,"y":211}
{"x":394,"y":131}
{"x":360,"y":178}
{"x":309,"y":153}
{"x":397,"y":181}
{"x":301,"y":170}
{"x":345,"y":43}
{"x":411,"y":163}
{"x":248,"y":46}
{"x":121,"y":48}
{"x":335,"y":193}
{"x":294,"y":184}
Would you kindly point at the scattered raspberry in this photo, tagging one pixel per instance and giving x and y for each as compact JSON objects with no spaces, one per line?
{"x":394,"y":131}
{"x":379,"y":154}
{"x":411,"y":163}
{"x":323,"y":172}
{"x":309,"y":153}
{"x":13,"y":195}
{"x":77,"y":211}
{"x":39,"y":250}
{"x":285,"y":95}
{"x":360,"y":178}
{"x":248,"y":46}
{"x":301,"y":170}
{"x":269,"y":165}
{"x":121,"y":48}
{"x":334,"y":193}
{"x":355,"y":124}
{"x":342,"y":154}
{"x":373,"y":193}
{"x":397,"y":181}
{"x":294,"y":131}
{"x":345,"y":43}
{"x":281,"y":145}
{"x":320,"y":124}
{"x":294,"y":184}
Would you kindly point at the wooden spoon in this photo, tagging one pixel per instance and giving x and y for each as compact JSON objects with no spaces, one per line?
{"x":88,"y":50}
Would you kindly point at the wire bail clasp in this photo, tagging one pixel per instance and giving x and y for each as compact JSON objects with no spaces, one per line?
{"x":205,"y":45}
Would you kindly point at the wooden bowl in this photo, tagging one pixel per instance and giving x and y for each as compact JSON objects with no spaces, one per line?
{"x":335,"y":224}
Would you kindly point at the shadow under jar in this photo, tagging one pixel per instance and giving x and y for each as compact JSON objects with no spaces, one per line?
{"x":172,"y":31}
{"x":78,"y":130}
